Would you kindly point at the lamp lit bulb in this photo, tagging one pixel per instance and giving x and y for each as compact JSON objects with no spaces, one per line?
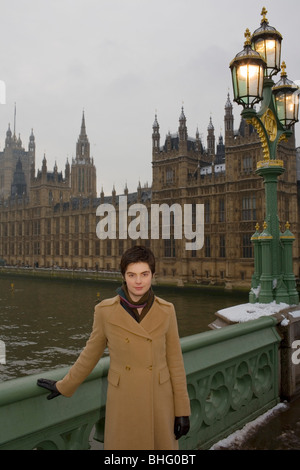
{"x":248,"y":71}
{"x":290,"y":104}
{"x":265,"y":46}
{"x":270,"y":45}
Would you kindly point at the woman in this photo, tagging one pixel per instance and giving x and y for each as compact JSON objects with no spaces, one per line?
{"x":147,"y":404}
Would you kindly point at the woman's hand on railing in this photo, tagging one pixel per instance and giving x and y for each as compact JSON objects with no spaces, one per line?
{"x":49,"y":385}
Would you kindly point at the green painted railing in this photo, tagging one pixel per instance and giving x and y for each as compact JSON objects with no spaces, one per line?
{"x":232,"y":376}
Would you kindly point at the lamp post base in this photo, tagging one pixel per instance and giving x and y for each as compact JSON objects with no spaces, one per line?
{"x":273,"y":279}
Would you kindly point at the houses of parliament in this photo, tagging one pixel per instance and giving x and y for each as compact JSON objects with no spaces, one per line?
{"x":48,"y":218}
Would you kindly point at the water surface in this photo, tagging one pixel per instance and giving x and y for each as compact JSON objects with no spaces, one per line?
{"x":45,"y":323}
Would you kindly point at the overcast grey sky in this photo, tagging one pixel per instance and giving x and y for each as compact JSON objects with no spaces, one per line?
{"x":121,"y":61}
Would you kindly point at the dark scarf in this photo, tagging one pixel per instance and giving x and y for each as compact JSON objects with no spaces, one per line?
{"x":131,"y":307}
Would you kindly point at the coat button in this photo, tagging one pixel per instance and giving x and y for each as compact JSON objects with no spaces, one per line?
{"x":149,"y":339}
{"x":127,"y":340}
{"x":127,"y":367}
{"x":149,"y":367}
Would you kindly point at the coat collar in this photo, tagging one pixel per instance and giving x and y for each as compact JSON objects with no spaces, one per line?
{"x":152,"y":321}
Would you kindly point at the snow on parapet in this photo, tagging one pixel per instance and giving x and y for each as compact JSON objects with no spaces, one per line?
{"x":246,"y":312}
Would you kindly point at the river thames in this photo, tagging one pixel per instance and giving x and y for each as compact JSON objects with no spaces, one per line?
{"x":45,"y":323}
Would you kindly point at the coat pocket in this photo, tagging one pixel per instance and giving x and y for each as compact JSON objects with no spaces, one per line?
{"x":113,"y":377}
{"x":164,"y":375}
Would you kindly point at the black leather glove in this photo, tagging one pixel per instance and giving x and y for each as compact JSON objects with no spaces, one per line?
{"x":181,"y":426}
{"x":49,"y":385}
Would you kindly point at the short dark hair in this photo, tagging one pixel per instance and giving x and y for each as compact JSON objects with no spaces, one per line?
{"x":137,"y":254}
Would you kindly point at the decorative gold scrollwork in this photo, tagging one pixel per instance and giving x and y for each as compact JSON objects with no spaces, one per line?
{"x":269,"y":121}
{"x":257,"y":125}
{"x":283,"y":138}
{"x":270,"y":163}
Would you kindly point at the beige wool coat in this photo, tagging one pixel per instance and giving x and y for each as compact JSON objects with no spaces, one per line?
{"x":146,"y":378}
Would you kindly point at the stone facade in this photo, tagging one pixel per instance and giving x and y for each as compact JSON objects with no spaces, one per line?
{"x":233,"y":197}
{"x":53,"y":222}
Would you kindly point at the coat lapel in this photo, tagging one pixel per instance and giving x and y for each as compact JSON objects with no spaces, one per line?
{"x":154,"y":318}
{"x":123,"y":319}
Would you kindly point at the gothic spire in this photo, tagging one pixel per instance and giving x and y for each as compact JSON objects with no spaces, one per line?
{"x":182,"y":127}
{"x":83,"y":130}
{"x":83,"y":145}
{"x":210,"y":125}
{"x":228,"y":102}
{"x":15,"y":118}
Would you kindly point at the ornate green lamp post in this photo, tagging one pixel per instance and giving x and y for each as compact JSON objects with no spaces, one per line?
{"x":252,"y":71}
